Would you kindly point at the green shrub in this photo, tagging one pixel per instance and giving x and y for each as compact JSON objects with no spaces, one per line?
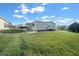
{"x":11,"y":31}
{"x":74,"y":27}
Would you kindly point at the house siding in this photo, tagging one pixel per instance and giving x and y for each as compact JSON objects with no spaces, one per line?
{"x":4,"y":24}
{"x":43,"y":26}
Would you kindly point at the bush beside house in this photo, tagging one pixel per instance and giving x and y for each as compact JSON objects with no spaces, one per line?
{"x":74,"y":27}
{"x":11,"y":31}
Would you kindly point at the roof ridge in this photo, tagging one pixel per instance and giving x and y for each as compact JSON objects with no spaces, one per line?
{"x":4,"y":19}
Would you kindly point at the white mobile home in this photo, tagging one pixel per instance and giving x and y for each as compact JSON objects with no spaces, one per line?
{"x":41,"y":25}
{"x":4,"y":24}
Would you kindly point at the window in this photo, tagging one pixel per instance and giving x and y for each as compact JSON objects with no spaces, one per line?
{"x":32,"y":24}
{"x":6,"y":25}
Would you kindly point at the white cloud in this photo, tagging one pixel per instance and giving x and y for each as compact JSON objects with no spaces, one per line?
{"x":24,"y":9}
{"x":19,"y":16}
{"x":45,"y":17}
{"x":37,"y":9}
{"x":29,"y":21}
{"x":37,"y":18}
{"x":22,"y":6}
{"x":43,"y":4}
{"x":52,"y":16}
{"x":65,"y":8}
{"x":16,"y":11}
{"x":46,"y":20}
{"x":77,"y":21}
{"x":64,"y":21}
{"x":26,"y":18}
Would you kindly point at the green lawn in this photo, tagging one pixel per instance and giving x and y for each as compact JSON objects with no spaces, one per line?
{"x":52,"y":43}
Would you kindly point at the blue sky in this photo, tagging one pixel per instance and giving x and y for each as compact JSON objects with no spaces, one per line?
{"x":60,"y":13}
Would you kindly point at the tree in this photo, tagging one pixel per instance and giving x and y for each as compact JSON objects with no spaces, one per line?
{"x":63,"y":27}
{"x":74,"y":27}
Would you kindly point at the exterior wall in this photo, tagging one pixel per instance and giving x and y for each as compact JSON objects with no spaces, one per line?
{"x":43,"y":25}
{"x":4,"y":24}
{"x":29,"y":26}
{"x":1,"y":24}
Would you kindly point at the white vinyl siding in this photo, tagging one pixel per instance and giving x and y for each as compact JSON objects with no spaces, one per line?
{"x":4,"y":24}
{"x":43,"y":25}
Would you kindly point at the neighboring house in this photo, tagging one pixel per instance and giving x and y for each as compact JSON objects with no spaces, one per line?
{"x":4,"y":24}
{"x":41,"y":26}
{"x":63,"y":28}
{"x":21,"y":27}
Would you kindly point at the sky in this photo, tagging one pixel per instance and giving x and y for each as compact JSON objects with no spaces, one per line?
{"x":60,"y":13}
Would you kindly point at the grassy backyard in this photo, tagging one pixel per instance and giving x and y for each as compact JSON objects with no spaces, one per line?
{"x":52,"y":43}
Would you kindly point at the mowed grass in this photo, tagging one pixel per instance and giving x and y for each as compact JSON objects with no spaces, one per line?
{"x":52,"y":43}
